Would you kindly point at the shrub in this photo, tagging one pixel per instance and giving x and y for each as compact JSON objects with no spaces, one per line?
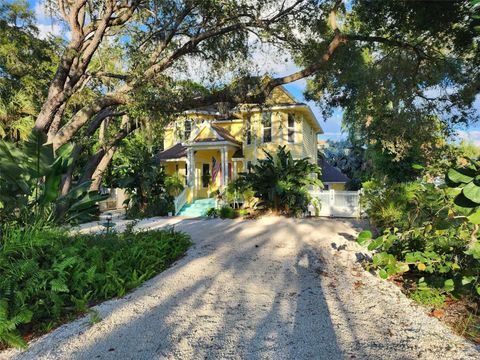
{"x":31,"y":182}
{"x":48,"y":276}
{"x":402,"y":205}
{"x":434,"y":241}
{"x":227,"y":212}
{"x":281,"y":182}
{"x":212,"y":212}
{"x":243,"y":212}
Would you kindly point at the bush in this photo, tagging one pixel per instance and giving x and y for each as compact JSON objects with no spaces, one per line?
{"x":31,"y":185}
{"x":243,"y":212}
{"x":281,"y":182}
{"x":402,"y":205}
{"x":212,"y":212}
{"x":49,"y":277}
{"x":227,"y":212}
{"x":429,"y":234}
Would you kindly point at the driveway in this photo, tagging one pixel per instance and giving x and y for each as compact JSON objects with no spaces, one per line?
{"x":274,"y":288}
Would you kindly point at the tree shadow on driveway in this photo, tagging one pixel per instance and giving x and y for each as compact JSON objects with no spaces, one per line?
{"x":246,"y":289}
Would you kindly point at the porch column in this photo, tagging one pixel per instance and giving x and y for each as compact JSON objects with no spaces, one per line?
{"x":222,"y":167}
{"x":226,"y":165}
{"x":191,"y":167}
{"x":234,"y":169}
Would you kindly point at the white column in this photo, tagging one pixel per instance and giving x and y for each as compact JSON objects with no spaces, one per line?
{"x":226,"y":165}
{"x":222,"y":167}
{"x":234,"y":169}
{"x":191,"y":167}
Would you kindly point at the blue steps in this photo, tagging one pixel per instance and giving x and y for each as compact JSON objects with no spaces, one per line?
{"x":198,"y":208}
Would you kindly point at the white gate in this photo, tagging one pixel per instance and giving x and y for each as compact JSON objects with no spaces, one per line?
{"x":338,"y":203}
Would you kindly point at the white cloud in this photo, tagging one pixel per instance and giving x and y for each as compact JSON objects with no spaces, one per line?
{"x":41,"y":12}
{"x":48,"y":23}
{"x":470,"y":136}
{"x":50,"y":29}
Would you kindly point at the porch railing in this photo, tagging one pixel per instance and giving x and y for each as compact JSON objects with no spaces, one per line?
{"x":180,"y":201}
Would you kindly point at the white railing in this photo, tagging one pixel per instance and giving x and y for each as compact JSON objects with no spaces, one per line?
{"x":180,"y":201}
{"x":337,"y":203}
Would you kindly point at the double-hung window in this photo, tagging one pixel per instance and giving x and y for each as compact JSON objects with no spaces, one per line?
{"x":248,"y":134}
{"x":267,"y":127}
{"x":187,"y":129}
{"x":291,"y":128}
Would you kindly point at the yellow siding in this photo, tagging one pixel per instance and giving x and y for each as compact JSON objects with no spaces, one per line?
{"x":337,"y":186}
{"x":206,"y":133}
{"x":279,"y":95}
{"x":309,"y":142}
{"x":168,"y":140}
{"x":303,"y":146}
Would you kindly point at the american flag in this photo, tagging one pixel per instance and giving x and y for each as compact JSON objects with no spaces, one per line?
{"x":215,"y":168}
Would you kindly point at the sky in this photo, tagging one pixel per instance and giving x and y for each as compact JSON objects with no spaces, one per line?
{"x":267,"y":61}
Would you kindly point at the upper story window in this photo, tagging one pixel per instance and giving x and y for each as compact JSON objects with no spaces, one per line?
{"x":248,"y":130}
{"x":291,"y":128}
{"x":267,"y":126}
{"x":188,"y":129}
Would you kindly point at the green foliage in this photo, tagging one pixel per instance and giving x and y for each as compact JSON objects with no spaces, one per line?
{"x":151,"y":191}
{"x":402,"y":205}
{"x":433,"y":237}
{"x":30,"y":184}
{"x":174,"y":185}
{"x":226,"y":212}
{"x":281,"y":182}
{"x":349,"y":158}
{"x":27,"y":65}
{"x":428,"y":297}
{"x":466,"y":180}
{"x":213,"y":212}
{"x":48,"y":275}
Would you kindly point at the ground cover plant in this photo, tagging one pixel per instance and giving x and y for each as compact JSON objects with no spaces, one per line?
{"x":49,"y":277}
{"x":428,"y":238}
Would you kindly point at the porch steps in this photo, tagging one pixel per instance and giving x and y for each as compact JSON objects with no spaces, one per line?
{"x":198,"y":208}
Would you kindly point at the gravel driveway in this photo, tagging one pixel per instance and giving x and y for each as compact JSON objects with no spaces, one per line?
{"x":274,"y":288}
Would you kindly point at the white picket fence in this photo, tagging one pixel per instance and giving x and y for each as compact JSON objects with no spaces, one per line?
{"x":337,"y":203}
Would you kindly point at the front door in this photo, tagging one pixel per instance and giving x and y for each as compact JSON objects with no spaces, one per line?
{"x":206,"y":178}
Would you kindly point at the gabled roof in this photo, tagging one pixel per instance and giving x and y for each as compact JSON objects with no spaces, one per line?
{"x":177,"y":151}
{"x":216,"y":134}
{"x":331,"y":174}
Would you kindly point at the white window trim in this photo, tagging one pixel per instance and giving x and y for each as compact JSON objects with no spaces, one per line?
{"x":268,"y":127}
{"x":290,"y":128}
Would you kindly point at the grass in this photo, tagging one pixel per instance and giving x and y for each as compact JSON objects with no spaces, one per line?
{"x":49,"y":277}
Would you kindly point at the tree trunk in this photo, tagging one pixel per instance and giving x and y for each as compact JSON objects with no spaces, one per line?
{"x":101,"y":168}
{"x":55,"y":123}
{"x":68,"y":131}
{"x":93,"y":126}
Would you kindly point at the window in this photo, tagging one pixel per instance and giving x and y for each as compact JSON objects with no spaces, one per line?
{"x":249,"y":166}
{"x":291,"y":128}
{"x":205,"y":175}
{"x":186,"y":174}
{"x":267,"y":126}
{"x":188,"y":129}
{"x":249,"y":131}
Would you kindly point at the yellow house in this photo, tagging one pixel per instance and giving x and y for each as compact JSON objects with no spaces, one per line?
{"x":210,"y":146}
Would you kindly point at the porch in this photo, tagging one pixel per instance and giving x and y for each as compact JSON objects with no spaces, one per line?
{"x":205,"y":169}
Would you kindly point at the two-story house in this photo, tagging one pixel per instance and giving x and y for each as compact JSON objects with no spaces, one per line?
{"x":209,"y":146}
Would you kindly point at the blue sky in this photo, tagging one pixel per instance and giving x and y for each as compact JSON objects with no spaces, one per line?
{"x":267,"y":61}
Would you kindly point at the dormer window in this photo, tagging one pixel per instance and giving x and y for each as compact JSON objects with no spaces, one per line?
{"x":267,"y":126}
{"x":187,"y":129}
{"x":291,"y":128}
